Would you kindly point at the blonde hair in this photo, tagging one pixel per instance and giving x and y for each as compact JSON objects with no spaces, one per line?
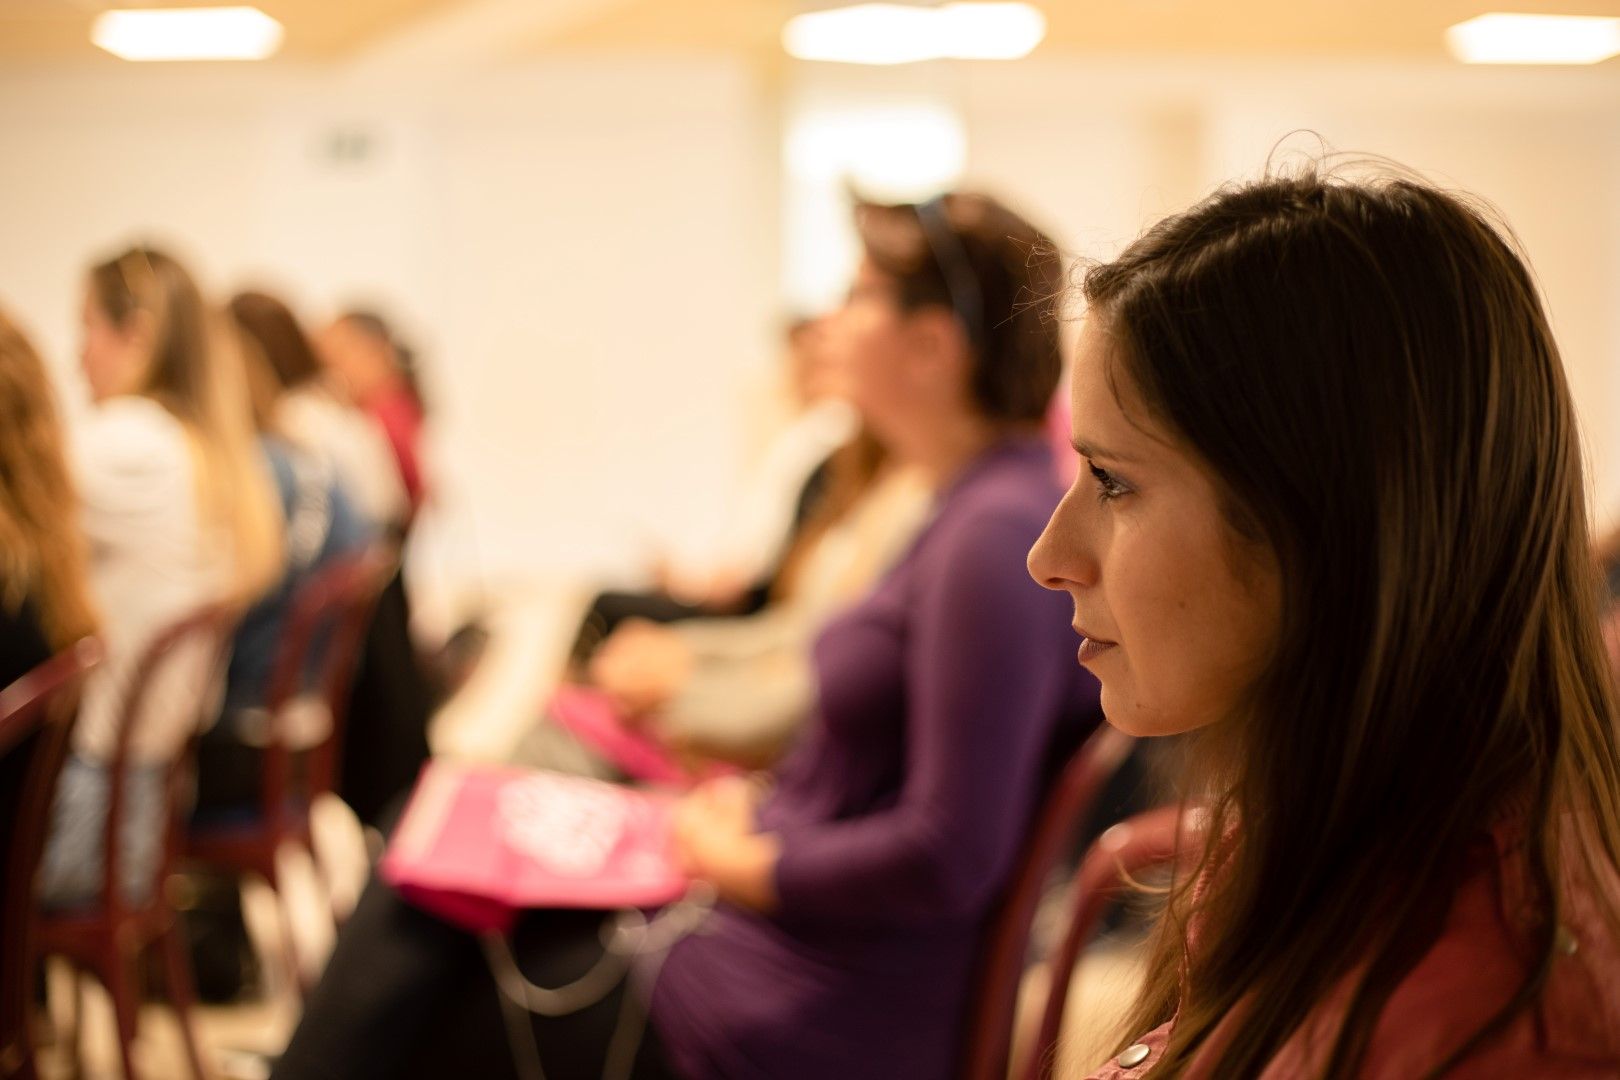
{"x":196,"y":371}
{"x":42,"y":553}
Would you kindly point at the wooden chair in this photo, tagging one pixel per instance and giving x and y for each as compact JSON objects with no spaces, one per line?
{"x":323,"y":633}
{"x":108,"y":937}
{"x":36,"y":718}
{"x":1117,"y":858}
{"x":1001,"y":966}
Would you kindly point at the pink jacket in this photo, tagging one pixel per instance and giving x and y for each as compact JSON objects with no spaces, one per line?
{"x":1572,"y":1032}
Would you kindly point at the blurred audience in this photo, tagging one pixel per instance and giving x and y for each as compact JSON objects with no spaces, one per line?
{"x":852,"y":894}
{"x":736,"y":689}
{"x":320,"y":526}
{"x":308,"y":412}
{"x":180,"y":510}
{"x":392,"y":698}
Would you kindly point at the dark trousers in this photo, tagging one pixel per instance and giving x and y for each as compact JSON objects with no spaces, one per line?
{"x":385,"y":740}
{"x":406,"y":995}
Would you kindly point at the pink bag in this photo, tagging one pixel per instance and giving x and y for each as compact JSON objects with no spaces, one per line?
{"x":480,"y":843}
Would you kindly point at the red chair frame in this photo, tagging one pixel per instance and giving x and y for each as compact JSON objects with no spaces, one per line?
{"x":108,"y":938}
{"x":1115,"y":860}
{"x":36,"y":718}
{"x":1001,"y":966}
{"x":338,"y":599}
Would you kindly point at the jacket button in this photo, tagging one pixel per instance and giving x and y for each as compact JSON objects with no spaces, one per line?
{"x":1133,"y":1056}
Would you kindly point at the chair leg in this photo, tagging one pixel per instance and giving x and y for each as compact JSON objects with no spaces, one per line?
{"x":119,"y":975}
{"x":75,"y":1035}
{"x":182,"y":993}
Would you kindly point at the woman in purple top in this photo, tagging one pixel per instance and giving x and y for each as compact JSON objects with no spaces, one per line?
{"x":853,"y":893}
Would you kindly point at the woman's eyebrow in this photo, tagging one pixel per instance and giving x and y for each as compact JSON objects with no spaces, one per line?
{"x":1091,"y":450}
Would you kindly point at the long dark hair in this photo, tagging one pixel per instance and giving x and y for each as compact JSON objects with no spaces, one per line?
{"x":1366,"y":368}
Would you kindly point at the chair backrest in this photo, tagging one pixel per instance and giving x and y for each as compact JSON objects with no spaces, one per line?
{"x":1001,"y":963}
{"x":210,"y":627}
{"x":36,"y":717}
{"x":1113,"y":862}
{"x":330,"y":611}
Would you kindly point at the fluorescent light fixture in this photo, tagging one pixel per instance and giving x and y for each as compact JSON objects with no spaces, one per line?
{"x":1500,"y":38}
{"x":224,"y":33}
{"x":901,"y":34}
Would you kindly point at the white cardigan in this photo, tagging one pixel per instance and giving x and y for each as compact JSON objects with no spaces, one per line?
{"x":151,"y":564}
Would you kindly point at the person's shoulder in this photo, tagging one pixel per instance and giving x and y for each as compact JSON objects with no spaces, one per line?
{"x":1479,"y":964}
{"x":128,"y":438}
{"x":134,"y":422}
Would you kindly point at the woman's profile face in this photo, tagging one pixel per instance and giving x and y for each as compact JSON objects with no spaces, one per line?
{"x":865,"y":341}
{"x":109,"y":355}
{"x":1178,"y":612}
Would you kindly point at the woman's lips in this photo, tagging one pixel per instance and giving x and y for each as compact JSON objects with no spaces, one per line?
{"x":1092,"y":647}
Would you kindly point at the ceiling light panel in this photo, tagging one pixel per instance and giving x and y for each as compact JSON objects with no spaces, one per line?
{"x":1504,"y":38}
{"x":224,"y":33}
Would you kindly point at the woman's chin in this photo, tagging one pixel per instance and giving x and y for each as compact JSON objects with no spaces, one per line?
{"x":1137,"y":720}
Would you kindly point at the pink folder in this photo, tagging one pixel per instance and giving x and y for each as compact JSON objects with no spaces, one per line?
{"x":480,"y":843}
{"x":596,"y":722}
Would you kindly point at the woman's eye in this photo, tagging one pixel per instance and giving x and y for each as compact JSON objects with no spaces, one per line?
{"x":1107,"y":486}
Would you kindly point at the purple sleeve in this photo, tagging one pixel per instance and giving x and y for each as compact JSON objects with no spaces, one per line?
{"x":984,"y":684}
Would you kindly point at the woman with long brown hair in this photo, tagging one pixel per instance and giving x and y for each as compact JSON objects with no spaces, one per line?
{"x":180,"y":511}
{"x":44,"y":603}
{"x":1331,"y":520}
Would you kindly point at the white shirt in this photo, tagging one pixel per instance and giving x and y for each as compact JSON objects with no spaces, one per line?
{"x":151,"y":565}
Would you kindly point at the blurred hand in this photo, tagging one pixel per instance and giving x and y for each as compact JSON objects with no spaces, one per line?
{"x":712,"y":814}
{"x":720,"y":591}
{"x":726,"y":591}
{"x":641,"y":666}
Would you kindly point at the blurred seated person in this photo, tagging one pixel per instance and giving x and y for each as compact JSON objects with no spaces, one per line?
{"x":391,"y":699}
{"x":377,"y":372}
{"x":852,"y":895}
{"x":321,"y":525}
{"x":44,"y":595}
{"x":308,"y":412}
{"x":180,"y":511}
{"x":736,"y":688}
{"x":778,"y":497}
